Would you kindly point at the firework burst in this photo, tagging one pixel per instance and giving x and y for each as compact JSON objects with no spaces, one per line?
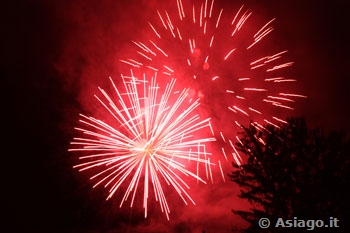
{"x":221,"y":56}
{"x":152,"y":137}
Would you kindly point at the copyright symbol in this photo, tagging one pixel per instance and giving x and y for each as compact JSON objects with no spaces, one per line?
{"x":264,"y":223}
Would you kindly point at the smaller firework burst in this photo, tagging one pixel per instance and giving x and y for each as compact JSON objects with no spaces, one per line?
{"x":228,"y":59}
{"x":153,"y":139}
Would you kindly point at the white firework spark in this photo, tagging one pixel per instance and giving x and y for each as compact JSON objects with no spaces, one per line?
{"x":153,"y":139}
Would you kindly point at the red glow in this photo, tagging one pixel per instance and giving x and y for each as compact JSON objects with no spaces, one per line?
{"x":219,"y":83}
{"x":206,"y":66}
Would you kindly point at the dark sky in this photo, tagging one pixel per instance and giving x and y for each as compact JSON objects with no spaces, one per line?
{"x":50,"y":48}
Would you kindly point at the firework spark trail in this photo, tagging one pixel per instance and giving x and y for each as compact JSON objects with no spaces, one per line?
{"x":209,"y":46}
{"x":152,"y":138}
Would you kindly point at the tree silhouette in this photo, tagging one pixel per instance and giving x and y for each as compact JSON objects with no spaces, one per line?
{"x":292,"y":171}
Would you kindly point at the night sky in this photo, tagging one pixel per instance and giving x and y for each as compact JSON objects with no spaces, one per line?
{"x":55,"y":51}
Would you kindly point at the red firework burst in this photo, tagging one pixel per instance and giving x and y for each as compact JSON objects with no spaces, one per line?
{"x":148,"y":135}
{"x":221,"y":56}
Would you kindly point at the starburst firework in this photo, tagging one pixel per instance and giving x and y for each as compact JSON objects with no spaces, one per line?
{"x":221,"y":56}
{"x":148,"y":138}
